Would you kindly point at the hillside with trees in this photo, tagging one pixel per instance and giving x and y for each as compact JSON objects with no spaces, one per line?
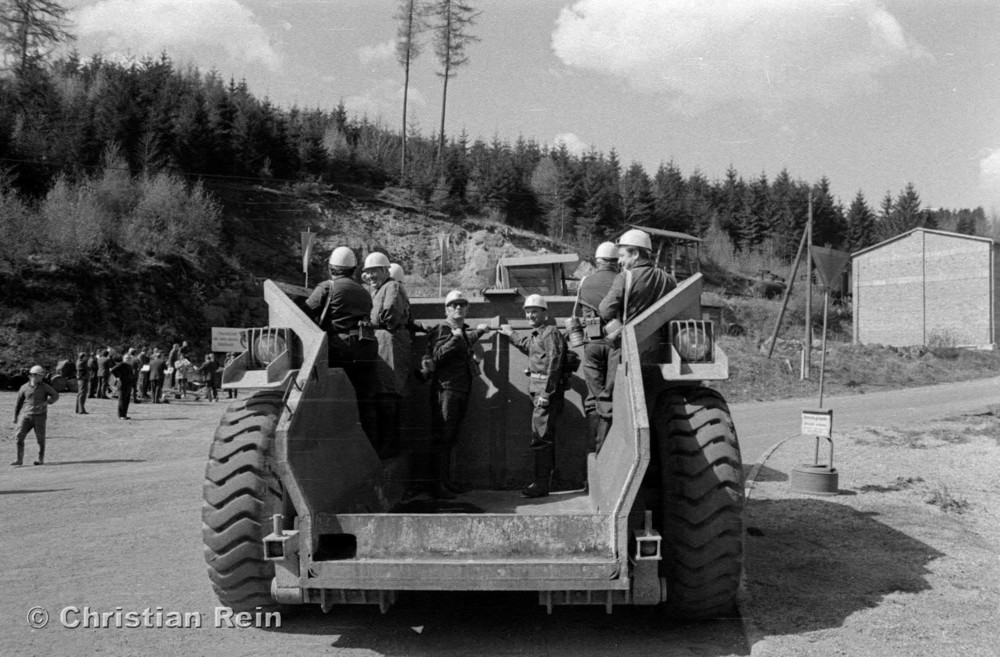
{"x":139,"y":194}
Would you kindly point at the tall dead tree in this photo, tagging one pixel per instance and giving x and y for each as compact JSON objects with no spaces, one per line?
{"x":412,"y":17}
{"x":453,"y":20}
{"x":29,"y":31}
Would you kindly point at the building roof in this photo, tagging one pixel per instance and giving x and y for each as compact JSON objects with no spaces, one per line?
{"x":536,"y":260}
{"x":945,"y":233}
{"x":668,"y":234}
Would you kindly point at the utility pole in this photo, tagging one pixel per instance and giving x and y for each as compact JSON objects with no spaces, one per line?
{"x":807,"y":346}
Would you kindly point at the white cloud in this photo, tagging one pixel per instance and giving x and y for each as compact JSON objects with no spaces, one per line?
{"x":989,"y":175}
{"x":219,"y":33}
{"x":573,"y":143}
{"x":384,"y":99}
{"x":763,"y":51}
{"x":380,"y":52}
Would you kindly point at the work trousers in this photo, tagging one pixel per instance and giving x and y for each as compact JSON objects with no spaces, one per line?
{"x":143,"y":388}
{"x":543,"y":421}
{"x":29,"y":422}
{"x":156,"y":388}
{"x":357,"y":358}
{"x":124,"y":398}
{"x":447,"y":412}
{"x":82,"y":389}
{"x":599,"y":371}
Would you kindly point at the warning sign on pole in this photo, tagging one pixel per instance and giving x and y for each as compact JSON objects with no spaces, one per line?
{"x":817,"y":423}
{"x":829,"y":264}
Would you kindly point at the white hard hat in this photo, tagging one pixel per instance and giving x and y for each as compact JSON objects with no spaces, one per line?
{"x":455,"y":296}
{"x":36,"y":369}
{"x":376,"y":260}
{"x":607,"y":251}
{"x":636,"y":237}
{"x":396,"y":271}
{"x":343,"y":257}
{"x":536,"y":301}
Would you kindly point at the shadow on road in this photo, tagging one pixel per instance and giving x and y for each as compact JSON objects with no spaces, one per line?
{"x":29,"y":491}
{"x":463,"y":623}
{"x":51,"y":463}
{"x":813,"y":563}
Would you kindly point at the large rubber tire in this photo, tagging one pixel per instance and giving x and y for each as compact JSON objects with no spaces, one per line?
{"x":702,"y":497}
{"x":240,"y":495}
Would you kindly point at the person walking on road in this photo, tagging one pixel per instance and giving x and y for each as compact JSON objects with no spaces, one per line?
{"x":82,"y":382}
{"x":34,"y":397}
{"x":157,"y":369}
{"x":208,"y":370}
{"x":103,"y":374}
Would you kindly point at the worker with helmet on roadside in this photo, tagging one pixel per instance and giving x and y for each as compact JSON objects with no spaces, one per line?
{"x":546,"y":349}
{"x":342,"y":307}
{"x":638,"y":286}
{"x":450,"y":365}
{"x":35,"y":397}
{"x":390,"y":315}
{"x":596,"y":352}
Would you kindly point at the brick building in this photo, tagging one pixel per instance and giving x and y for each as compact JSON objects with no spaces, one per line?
{"x":927,"y":286}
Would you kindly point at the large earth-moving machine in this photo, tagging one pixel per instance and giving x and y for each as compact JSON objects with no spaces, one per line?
{"x":299,"y":509}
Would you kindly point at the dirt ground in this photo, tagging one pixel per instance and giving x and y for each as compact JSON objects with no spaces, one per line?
{"x":904,"y":561}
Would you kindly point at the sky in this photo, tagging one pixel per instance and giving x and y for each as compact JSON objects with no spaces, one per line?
{"x":872,"y":95}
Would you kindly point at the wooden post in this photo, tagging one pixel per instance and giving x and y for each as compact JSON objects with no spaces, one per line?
{"x":822,"y":356}
{"x":788,"y":293}
{"x":809,"y":239}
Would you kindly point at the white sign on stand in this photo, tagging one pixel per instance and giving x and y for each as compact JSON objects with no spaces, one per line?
{"x":817,"y":423}
{"x":228,"y":339}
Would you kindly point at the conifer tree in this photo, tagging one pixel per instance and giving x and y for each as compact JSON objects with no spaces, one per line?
{"x":412,"y":17}
{"x":860,"y":224}
{"x":453,"y":20}
{"x":29,"y":31}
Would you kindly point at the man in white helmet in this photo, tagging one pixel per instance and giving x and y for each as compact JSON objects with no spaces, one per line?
{"x":637,"y":287}
{"x":390,"y":315}
{"x":343,"y":307}
{"x":593,"y":288}
{"x":546,"y":349}
{"x":34,"y":397}
{"x":451,"y":366}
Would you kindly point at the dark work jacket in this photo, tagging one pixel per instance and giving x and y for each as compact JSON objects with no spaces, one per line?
{"x":123,"y":372}
{"x":594,"y":288}
{"x":345,"y":301}
{"x":546,"y":350}
{"x":452,"y":356}
{"x":649,"y":285}
{"x":156,"y":368}
{"x":82,"y":368}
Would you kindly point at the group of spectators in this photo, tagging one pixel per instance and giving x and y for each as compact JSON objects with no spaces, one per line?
{"x":131,"y":375}
{"x":138,"y":374}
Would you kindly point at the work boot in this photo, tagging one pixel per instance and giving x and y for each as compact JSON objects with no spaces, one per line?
{"x":20,"y":456}
{"x":544,"y":464}
{"x":41,"y":456}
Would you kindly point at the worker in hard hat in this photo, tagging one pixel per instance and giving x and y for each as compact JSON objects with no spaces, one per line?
{"x":342,"y":307}
{"x":596,"y":351}
{"x":34,"y":397}
{"x":546,"y":349}
{"x":637,"y":286}
{"x":451,"y":365}
{"x":390,"y":315}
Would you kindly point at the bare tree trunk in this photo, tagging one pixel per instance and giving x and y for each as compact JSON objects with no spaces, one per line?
{"x":406,"y":94}
{"x":447,"y":73}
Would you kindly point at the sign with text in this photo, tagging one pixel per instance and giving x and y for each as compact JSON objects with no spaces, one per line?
{"x":817,"y":423}
{"x":228,"y":339}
